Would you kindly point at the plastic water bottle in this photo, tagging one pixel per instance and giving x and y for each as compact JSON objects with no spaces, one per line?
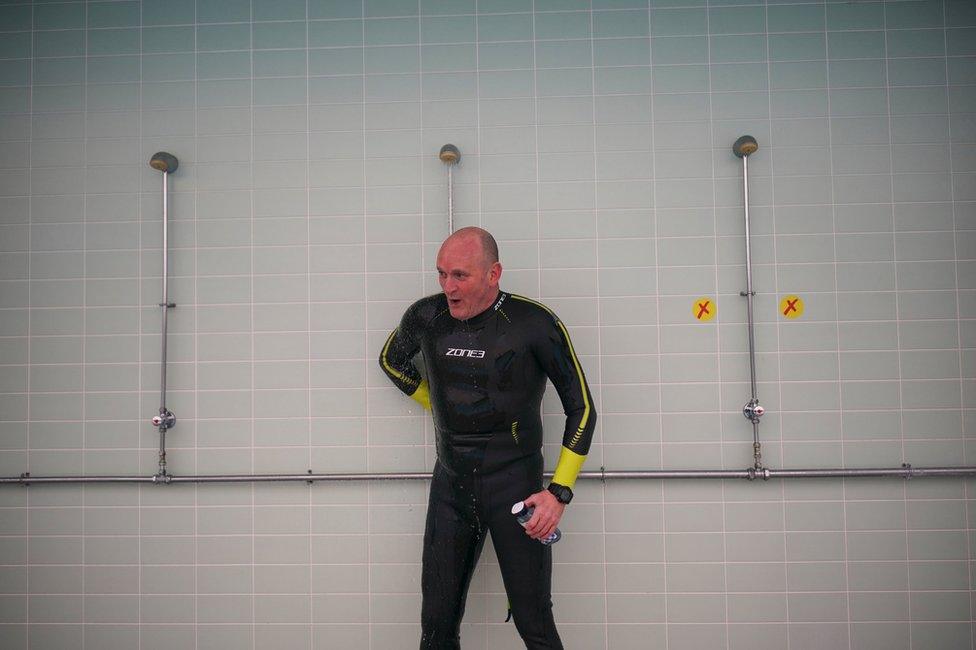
{"x":523,"y":514}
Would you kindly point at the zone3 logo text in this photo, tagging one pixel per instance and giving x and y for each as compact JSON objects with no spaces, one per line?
{"x":461,"y":352}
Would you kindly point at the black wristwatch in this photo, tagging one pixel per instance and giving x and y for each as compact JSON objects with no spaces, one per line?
{"x":562,"y":493}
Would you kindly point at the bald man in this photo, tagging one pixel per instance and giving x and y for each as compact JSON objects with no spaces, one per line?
{"x":487,"y":355}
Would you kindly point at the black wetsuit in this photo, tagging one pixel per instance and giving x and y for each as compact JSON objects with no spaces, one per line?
{"x":486,"y":377}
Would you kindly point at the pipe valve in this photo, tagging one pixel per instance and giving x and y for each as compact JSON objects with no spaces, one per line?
{"x":164,"y":419}
{"x":753,"y":411}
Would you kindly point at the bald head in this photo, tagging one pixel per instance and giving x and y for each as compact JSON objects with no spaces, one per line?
{"x":483,"y":238}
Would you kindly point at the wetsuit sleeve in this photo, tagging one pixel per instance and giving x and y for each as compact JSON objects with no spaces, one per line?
{"x":396,"y":359}
{"x":556,"y":354}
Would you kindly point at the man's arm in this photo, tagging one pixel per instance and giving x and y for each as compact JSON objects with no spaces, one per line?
{"x":554,"y":351}
{"x":556,"y":354}
{"x":396,"y":359}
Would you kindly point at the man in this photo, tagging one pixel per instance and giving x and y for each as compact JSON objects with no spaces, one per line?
{"x":487,"y":355}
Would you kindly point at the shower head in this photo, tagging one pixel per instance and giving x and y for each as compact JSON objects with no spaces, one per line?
{"x":450,"y":155}
{"x":745,"y":146}
{"x":164,"y":162}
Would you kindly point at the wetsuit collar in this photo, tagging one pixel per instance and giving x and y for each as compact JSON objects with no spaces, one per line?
{"x":486,"y":314}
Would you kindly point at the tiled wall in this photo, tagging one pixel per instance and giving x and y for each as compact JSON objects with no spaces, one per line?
{"x":596,"y":141}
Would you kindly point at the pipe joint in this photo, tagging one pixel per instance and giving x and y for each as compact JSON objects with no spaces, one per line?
{"x":162,"y":478}
{"x":759,"y":472}
{"x":757,"y":456}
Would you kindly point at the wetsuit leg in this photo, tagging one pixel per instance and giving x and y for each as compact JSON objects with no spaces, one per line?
{"x":453,"y":540}
{"x":526,"y":564}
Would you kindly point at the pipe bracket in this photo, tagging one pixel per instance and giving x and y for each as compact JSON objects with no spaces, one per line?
{"x":909,"y":472}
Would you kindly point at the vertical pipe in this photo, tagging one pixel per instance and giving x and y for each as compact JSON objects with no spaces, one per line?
{"x":749,"y":293}
{"x":450,"y":199}
{"x":165,"y":303}
{"x":164,"y":420}
{"x":750,"y":411}
{"x":753,"y":411}
{"x":450,"y":156}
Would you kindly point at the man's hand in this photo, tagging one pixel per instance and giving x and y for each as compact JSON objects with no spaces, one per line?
{"x":548,"y":512}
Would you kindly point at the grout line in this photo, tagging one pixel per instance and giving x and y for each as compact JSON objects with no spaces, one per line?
{"x":776,"y":330}
{"x":250,"y":193}
{"x":365,"y":307}
{"x":715,"y":325}
{"x":84,"y":357}
{"x":599,"y":314}
{"x":138,"y":431}
{"x":961,"y":358}
{"x":535,"y":149}
{"x":898,"y":328}
{"x":30,"y":333}
{"x":308,"y":333}
{"x":840,"y":391}
{"x":196,"y":342}
{"x":657,"y":238}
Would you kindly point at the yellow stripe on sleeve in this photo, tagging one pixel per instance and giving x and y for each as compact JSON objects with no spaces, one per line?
{"x":422,"y":395}
{"x":568,"y":467}
{"x":582,"y":380}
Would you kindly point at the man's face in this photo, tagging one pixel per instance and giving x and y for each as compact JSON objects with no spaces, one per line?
{"x":468,"y":281}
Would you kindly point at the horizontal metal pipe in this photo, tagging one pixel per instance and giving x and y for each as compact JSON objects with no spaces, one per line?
{"x":905,"y":472}
{"x":27,"y":480}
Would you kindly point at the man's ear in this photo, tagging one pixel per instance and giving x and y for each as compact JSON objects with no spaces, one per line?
{"x":494,"y":274}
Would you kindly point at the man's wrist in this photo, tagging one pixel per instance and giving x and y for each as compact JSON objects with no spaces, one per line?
{"x":562,"y":493}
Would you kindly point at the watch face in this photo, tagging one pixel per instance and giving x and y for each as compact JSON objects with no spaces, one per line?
{"x":562,"y":493}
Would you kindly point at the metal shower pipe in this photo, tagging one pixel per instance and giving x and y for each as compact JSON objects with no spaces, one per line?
{"x":450,"y":156}
{"x":906,"y":471}
{"x":164,"y":420}
{"x":744,"y":147}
